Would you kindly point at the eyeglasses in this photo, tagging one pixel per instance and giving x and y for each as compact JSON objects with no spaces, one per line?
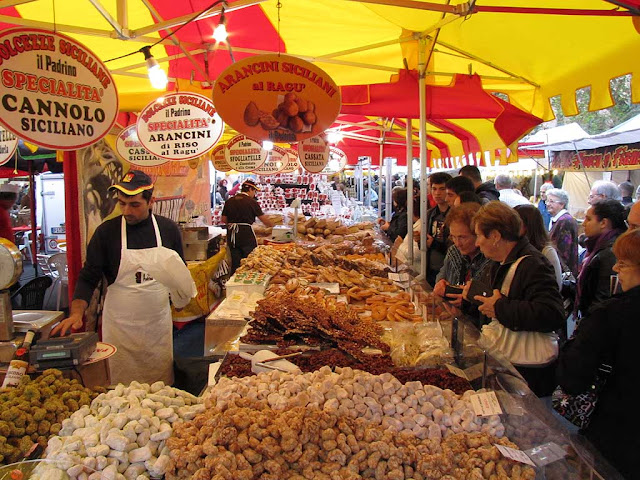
{"x":623,"y":265}
{"x":461,"y":238}
{"x":593,"y":195}
{"x":548,"y":201}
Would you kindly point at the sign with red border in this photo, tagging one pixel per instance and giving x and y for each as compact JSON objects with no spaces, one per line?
{"x":294,"y":162}
{"x":245,"y":154}
{"x":129,"y":148}
{"x":8,"y":145}
{"x":277,"y":97}
{"x":277,"y":159}
{"x":314,"y":154}
{"x":56,"y":93}
{"x":219,"y":159}
{"x":337,"y":161}
{"x":180,"y":126}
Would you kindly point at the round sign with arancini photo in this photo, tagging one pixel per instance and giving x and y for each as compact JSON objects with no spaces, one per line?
{"x":281,"y":98}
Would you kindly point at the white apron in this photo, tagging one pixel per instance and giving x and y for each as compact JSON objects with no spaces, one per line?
{"x":137,"y":317}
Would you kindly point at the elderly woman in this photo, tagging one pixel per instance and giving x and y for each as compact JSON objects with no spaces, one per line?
{"x":523,"y":297}
{"x":563,"y":228}
{"x":464,"y":260}
{"x":603,"y":223}
{"x":609,"y":335}
{"x":397,"y":226}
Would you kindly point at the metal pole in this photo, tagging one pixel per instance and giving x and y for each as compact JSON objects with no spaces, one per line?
{"x":380,"y":184}
{"x":423,"y":158}
{"x":409,"y":192}
{"x":388,"y":203}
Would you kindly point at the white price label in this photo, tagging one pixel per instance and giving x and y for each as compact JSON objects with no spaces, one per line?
{"x":514,"y":454}
{"x":400,"y":277}
{"x":546,"y":453}
{"x":485,"y":404}
{"x":332,"y":288}
{"x":343,"y":299}
{"x":475,"y":371}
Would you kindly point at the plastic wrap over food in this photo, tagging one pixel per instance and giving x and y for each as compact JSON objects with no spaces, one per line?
{"x":417,"y":344}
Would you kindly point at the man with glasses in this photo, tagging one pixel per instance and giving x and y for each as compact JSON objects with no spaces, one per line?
{"x":563,"y":228}
{"x":603,"y":190}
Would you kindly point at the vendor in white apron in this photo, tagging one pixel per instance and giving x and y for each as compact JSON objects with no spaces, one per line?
{"x":140,"y":254}
{"x":239,"y":213}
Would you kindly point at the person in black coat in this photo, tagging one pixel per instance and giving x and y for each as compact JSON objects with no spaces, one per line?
{"x":397,"y":226}
{"x":610,"y":334}
{"x":603,"y":223}
{"x":533,"y":302}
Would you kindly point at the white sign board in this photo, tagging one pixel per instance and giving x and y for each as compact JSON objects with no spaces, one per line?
{"x":337,"y":161}
{"x":245,"y":154}
{"x":8,"y":145}
{"x":180,"y":126}
{"x":56,"y":93}
{"x":130,"y":149}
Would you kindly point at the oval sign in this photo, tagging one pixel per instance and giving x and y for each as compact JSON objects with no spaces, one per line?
{"x":56,"y":93}
{"x":245,"y":154}
{"x":8,"y":145}
{"x":277,"y":97}
{"x":337,"y":161}
{"x":131,"y":150}
{"x":293,"y":164}
{"x":277,"y":159}
{"x":219,"y":159}
{"x":314,"y":154}
{"x":179,"y":126}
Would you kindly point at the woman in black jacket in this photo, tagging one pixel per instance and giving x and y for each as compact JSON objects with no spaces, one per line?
{"x":397,"y":226}
{"x":532,"y":301}
{"x":603,"y":223}
{"x":610,"y":334}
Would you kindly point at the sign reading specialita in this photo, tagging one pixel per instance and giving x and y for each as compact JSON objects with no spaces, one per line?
{"x":277,"y":159}
{"x":293,"y":162}
{"x":219,"y":159}
{"x":130,"y":148}
{"x":337,"y":161}
{"x":245,"y":154}
{"x":8,"y":145}
{"x":180,"y":126}
{"x":314,"y":154}
{"x":56,"y":93}
{"x":277,"y":97}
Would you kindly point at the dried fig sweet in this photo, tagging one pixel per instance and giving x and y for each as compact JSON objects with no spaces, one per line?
{"x":251,"y":114}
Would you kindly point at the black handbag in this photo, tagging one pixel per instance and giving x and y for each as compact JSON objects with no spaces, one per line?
{"x":578,"y":409}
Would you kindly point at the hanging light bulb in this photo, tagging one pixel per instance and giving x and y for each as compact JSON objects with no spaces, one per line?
{"x":267,"y":145}
{"x":220,"y":32}
{"x":157,"y":77}
{"x":334,"y":136}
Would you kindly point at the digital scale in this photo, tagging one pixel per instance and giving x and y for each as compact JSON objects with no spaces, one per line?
{"x":63,"y":352}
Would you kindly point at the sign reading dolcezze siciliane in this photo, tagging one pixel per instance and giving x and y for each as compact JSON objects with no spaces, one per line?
{"x":55,"y":92}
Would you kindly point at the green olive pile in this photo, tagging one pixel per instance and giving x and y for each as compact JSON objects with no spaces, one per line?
{"x":34,"y":411}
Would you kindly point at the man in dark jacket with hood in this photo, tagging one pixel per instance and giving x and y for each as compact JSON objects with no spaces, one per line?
{"x":486,"y":191}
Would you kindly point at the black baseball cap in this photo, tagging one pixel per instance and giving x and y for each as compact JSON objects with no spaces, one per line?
{"x":250,"y":183}
{"x":133,"y":183}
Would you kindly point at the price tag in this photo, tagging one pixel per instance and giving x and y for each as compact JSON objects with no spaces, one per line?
{"x":343,"y":299}
{"x":485,"y":404}
{"x":475,"y":371}
{"x":400,"y":277}
{"x":213,"y":370}
{"x":514,"y":454}
{"x":333,"y":288}
{"x":546,"y":453}
{"x":457,"y":371}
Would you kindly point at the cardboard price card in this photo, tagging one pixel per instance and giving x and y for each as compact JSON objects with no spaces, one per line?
{"x":245,"y":154}
{"x":8,"y":145}
{"x":219,"y":159}
{"x":180,"y":126}
{"x":277,"y":97}
{"x":56,"y":93}
{"x":130,"y":149}
{"x":485,"y":404}
{"x":514,"y":454}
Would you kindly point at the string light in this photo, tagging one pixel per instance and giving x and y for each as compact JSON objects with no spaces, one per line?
{"x":157,"y":76}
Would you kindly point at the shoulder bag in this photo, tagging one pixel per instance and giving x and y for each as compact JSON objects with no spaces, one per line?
{"x":522,"y":348}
